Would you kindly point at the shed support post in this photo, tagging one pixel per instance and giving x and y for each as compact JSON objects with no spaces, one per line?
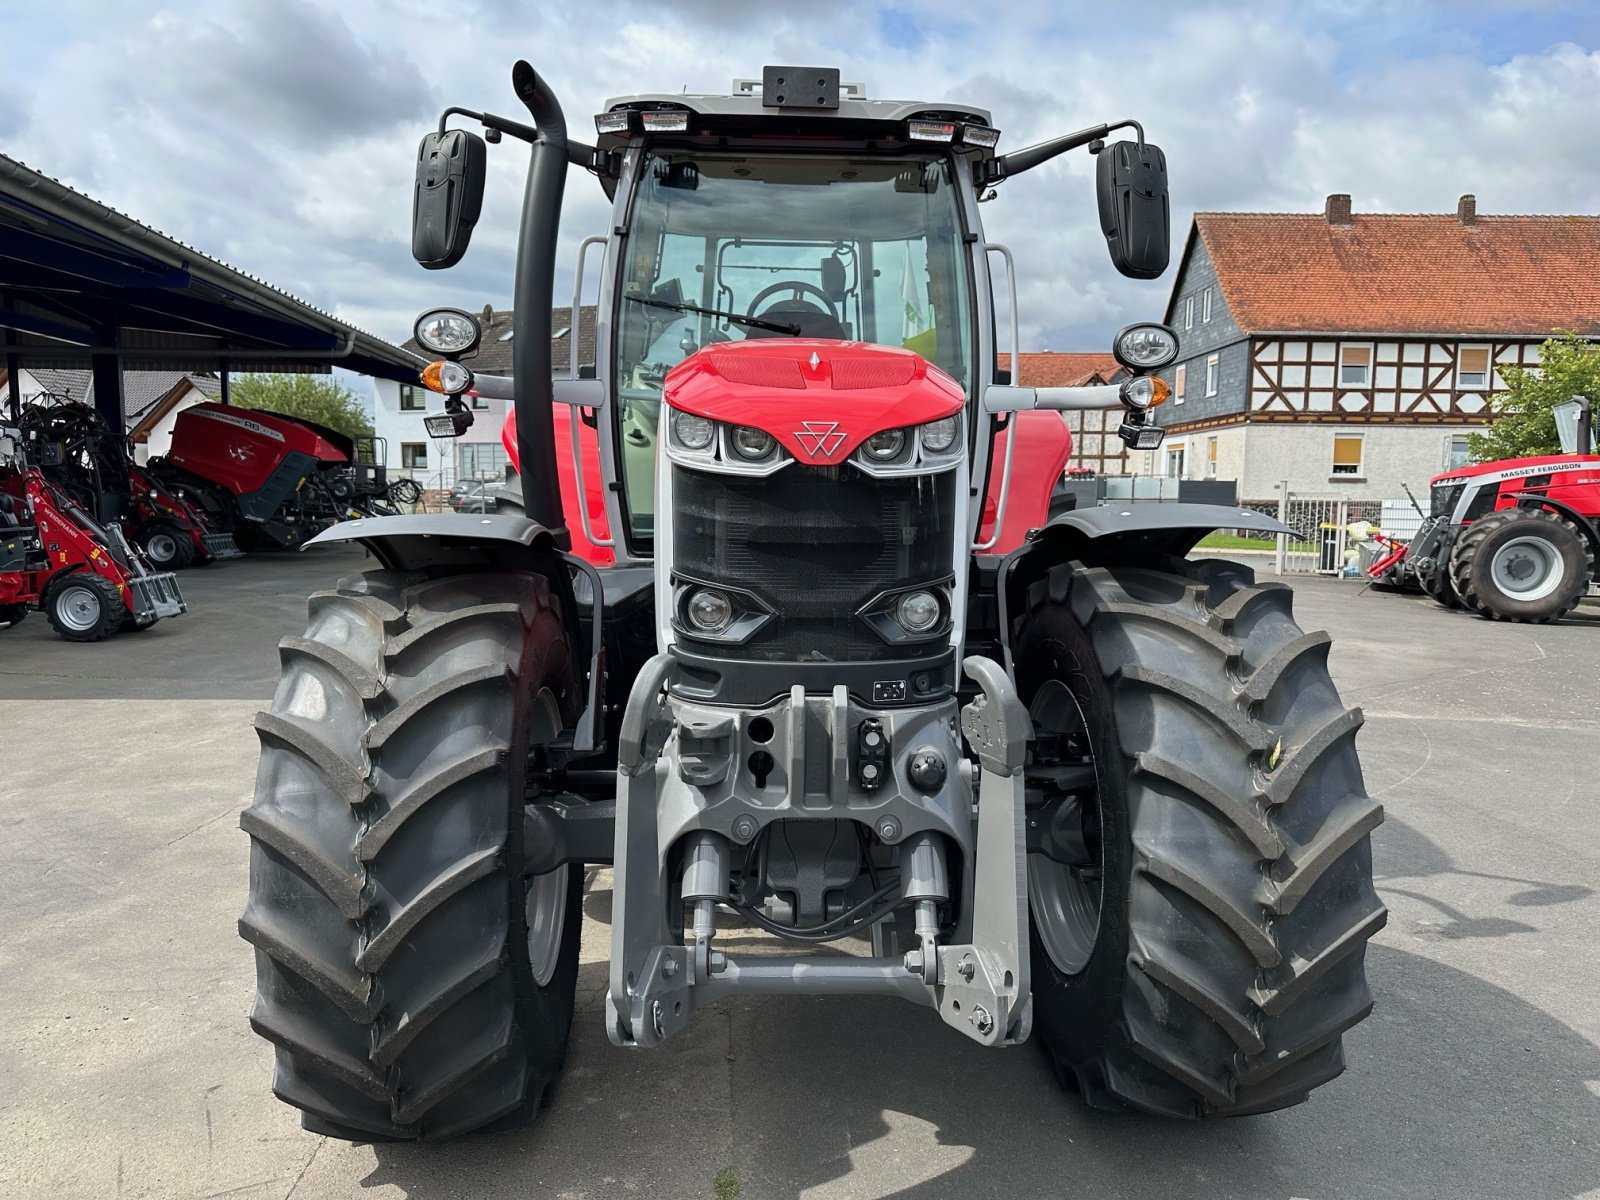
{"x":14,"y":385}
{"x":106,"y":371}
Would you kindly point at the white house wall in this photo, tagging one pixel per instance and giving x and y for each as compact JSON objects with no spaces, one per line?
{"x":397,"y":427}
{"x":1413,"y":380}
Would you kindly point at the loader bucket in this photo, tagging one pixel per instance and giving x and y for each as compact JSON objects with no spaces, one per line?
{"x":156,"y":596}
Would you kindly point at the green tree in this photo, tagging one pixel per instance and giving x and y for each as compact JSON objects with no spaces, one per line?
{"x":311,"y":397}
{"x":1525,"y":424}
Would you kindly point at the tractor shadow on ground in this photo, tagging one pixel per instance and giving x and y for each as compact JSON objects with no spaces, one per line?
{"x":1417,"y":858}
{"x":1456,"y":1087}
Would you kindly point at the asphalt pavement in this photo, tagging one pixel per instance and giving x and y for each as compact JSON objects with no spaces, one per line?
{"x":127,"y":1068}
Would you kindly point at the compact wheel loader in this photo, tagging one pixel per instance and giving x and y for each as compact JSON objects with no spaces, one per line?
{"x":1059,"y":782}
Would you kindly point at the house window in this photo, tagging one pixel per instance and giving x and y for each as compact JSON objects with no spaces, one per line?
{"x":1180,"y":377}
{"x":1457,"y":451}
{"x":1347,"y":453}
{"x":1472,"y":368}
{"x":1188,"y":313}
{"x":414,"y":456}
{"x":1205,"y":306}
{"x":480,"y":460}
{"x":1355,"y":366}
{"x":413,"y":399}
{"x":1175,"y":461}
{"x":479,"y":403}
{"x":1211,"y":375}
{"x":1211,"y":458}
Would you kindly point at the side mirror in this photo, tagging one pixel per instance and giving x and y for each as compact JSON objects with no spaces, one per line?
{"x":1131,"y":185}
{"x":448,"y":196}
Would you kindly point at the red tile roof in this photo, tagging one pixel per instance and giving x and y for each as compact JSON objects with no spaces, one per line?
{"x":1407,"y":274}
{"x":1063,"y":368}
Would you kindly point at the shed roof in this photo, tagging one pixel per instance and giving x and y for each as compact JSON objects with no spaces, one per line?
{"x":81,"y":278}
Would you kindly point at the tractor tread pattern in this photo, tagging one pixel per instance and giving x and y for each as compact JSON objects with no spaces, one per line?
{"x":1251,"y":897}
{"x":386,"y":852}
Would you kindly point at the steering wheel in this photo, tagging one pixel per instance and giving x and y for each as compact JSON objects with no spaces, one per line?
{"x":796,"y":286}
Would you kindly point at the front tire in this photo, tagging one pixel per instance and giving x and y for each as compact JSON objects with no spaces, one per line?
{"x":1521,"y":564}
{"x":1212,"y":952}
{"x":388,"y":906}
{"x":84,"y":607}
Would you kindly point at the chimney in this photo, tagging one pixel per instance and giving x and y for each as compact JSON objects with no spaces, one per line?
{"x":1467,"y":209}
{"x":1337,"y":209}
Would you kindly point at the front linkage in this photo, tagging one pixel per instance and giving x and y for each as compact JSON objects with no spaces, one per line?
{"x":679,"y":779}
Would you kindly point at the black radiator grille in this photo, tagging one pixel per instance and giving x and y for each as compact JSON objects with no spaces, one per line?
{"x":815,"y":544}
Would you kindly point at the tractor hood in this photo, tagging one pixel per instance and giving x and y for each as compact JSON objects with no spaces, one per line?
{"x":1510,"y":468}
{"x":820,"y":398}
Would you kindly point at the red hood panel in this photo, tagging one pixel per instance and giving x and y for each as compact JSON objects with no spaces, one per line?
{"x":818,"y":397}
{"x":1553,"y":462}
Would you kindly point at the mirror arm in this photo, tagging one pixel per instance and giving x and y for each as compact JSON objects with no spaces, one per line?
{"x":578,"y":154}
{"x":998,"y":398}
{"x":1006,"y":165}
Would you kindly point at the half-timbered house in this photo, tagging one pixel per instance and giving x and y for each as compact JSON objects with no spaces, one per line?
{"x":1350,"y":353}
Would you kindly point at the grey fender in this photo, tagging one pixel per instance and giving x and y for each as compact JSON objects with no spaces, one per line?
{"x":419,"y":540}
{"x":1147,"y":527}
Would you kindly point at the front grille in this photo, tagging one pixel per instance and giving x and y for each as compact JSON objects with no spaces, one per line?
{"x":815,"y":544}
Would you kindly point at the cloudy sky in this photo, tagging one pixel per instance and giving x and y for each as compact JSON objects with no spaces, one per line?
{"x":279,"y":135}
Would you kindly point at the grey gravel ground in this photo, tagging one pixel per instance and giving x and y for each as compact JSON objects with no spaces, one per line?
{"x":127,"y":1068}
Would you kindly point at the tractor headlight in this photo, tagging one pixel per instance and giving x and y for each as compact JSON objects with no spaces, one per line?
{"x":692,"y":432}
{"x":918,"y":612}
{"x":709,"y":610}
{"x":750,"y":442}
{"x":447,"y":331}
{"x":1147,"y":347}
{"x":939,"y":436}
{"x":886,"y":446}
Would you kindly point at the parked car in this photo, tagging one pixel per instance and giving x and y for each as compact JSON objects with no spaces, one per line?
{"x":470,"y":497}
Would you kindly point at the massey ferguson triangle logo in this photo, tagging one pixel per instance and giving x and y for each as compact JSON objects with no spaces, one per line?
{"x":820,"y":438}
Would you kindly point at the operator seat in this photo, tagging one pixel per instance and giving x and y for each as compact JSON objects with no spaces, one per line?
{"x":814,"y":321}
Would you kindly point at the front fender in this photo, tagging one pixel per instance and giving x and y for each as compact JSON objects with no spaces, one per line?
{"x":1147,"y":527}
{"x":418,"y":541}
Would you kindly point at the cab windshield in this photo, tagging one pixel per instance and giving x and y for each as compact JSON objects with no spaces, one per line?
{"x":777,"y":246}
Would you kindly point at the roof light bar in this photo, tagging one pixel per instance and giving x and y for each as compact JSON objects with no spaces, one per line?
{"x":666,"y":121}
{"x":618,"y":121}
{"x":931,"y":131}
{"x":980,"y":135}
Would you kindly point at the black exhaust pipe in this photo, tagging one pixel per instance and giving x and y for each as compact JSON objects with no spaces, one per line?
{"x":534,"y":291}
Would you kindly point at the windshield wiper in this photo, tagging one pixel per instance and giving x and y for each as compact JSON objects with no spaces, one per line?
{"x":736,"y":318}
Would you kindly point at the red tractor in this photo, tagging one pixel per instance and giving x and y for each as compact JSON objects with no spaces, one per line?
{"x":1051,"y":778}
{"x":54,"y":556}
{"x":270,"y":479}
{"x":1514,"y":540}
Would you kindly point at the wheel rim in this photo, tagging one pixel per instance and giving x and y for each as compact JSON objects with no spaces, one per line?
{"x":1526,"y":568}
{"x":1065,"y":896}
{"x":161,"y":548}
{"x":546,"y":919}
{"x":78,"y":609}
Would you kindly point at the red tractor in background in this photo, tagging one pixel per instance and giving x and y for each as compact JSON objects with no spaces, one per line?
{"x":1513,"y":540}
{"x":54,"y":556}
{"x":270,"y":479}
{"x":1055,"y":779}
